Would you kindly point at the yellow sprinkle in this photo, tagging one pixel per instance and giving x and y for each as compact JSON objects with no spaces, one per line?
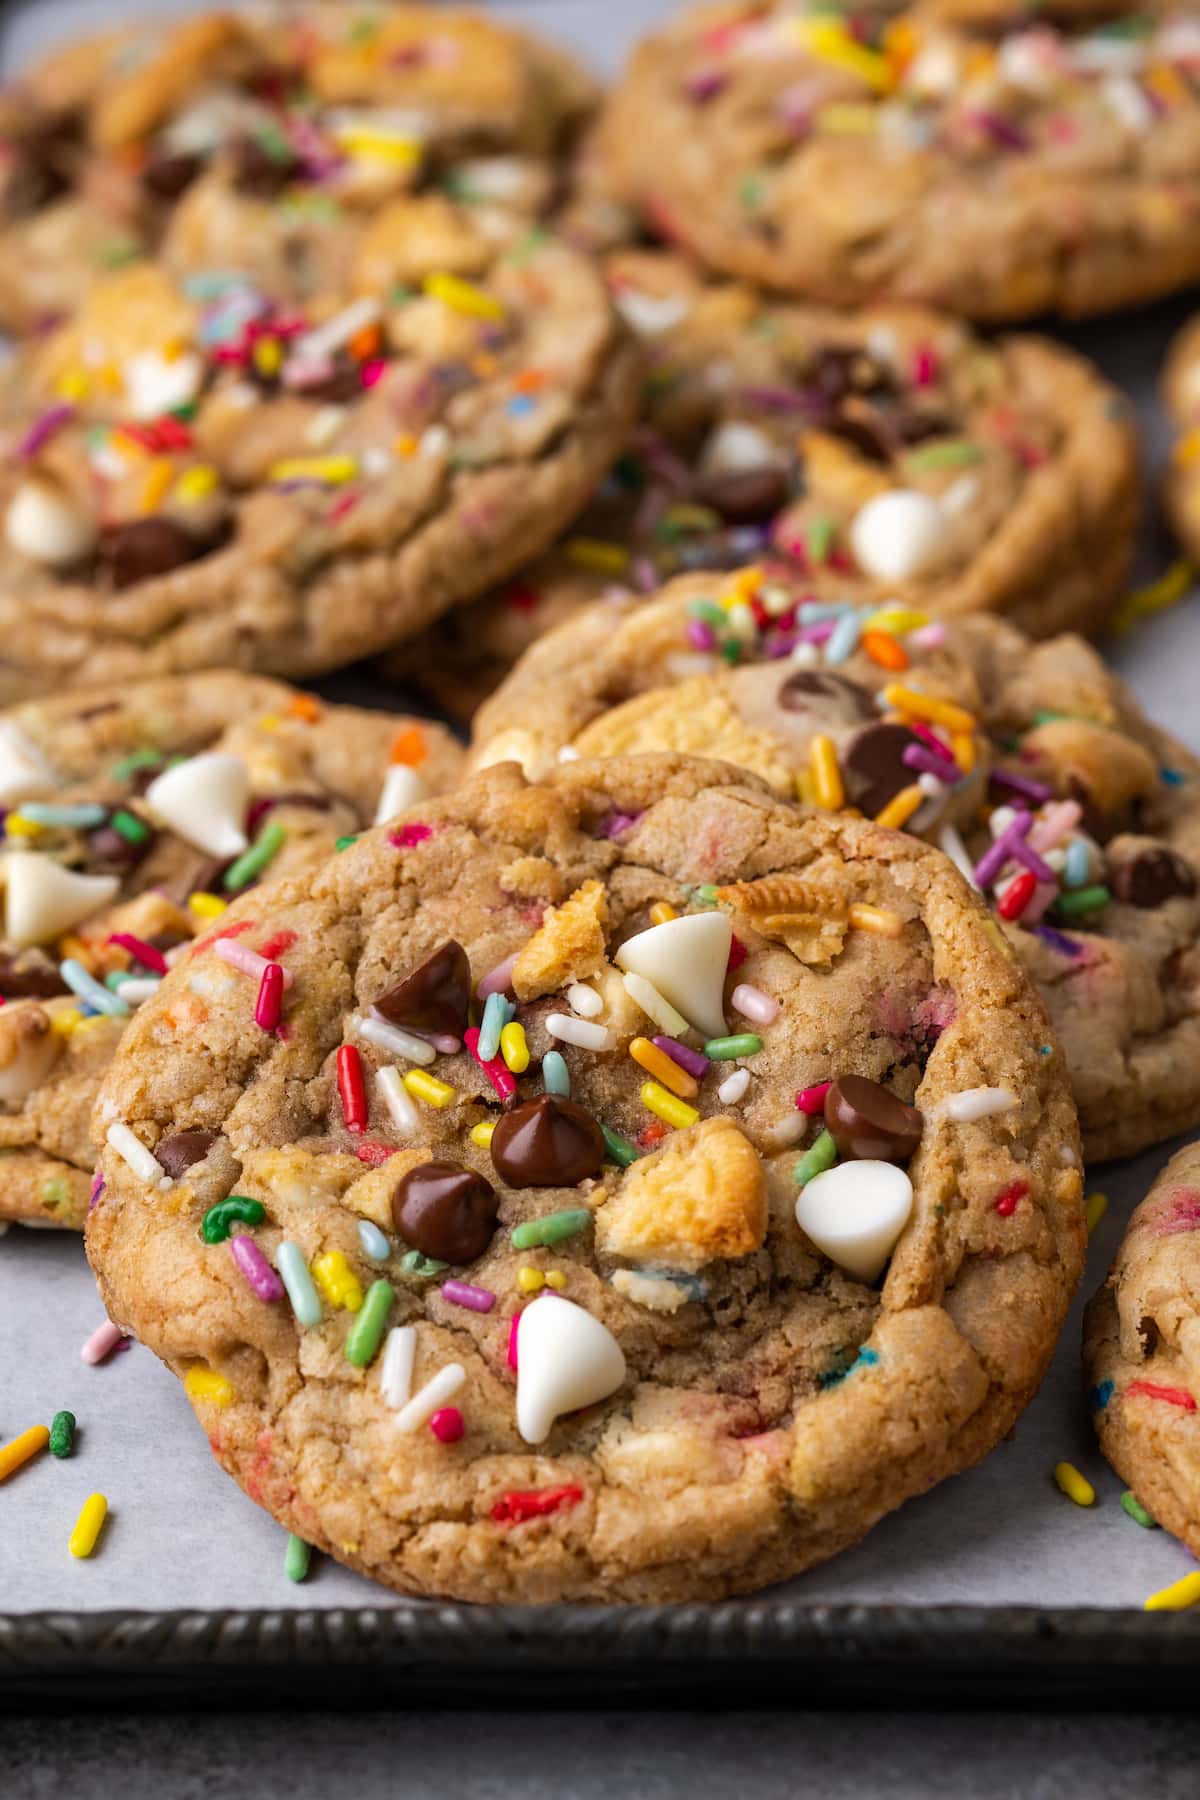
{"x":484,"y":366}
{"x":900,"y":809}
{"x":896,"y":619}
{"x":529,"y":1279}
{"x":875,"y":918}
{"x":741,"y":586}
{"x":847,"y":118}
{"x":1162,"y":593}
{"x":1178,"y":1597}
{"x":656,"y":1062}
{"x":463,"y":296}
{"x":963,"y":748}
{"x":666,"y":1107}
{"x":513,"y":1047}
{"x":337,"y":1281}
{"x":21,"y":1448}
{"x":826,"y":776}
{"x":335,"y":470}
{"x":924,"y":706}
{"x":481,"y":1134}
{"x":17,"y":827}
{"x":594,"y":553}
{"x":156,"y":486}
{"x":1187,"y":450}
{"x":380,"y":146}
{"x":269,"y":722}
{"x":1074,"y":1485}
{"x":1094,"y":1209}
{"x":555,"y":1278}
{"x":833,"y":44}
{"x":661,"y":913}
{"x":196,"y":484}
{"x":424,"y":1086}
{"x":88,"y":1525}
{"x":205,"y":1384}
{"x":804,"y":787}
{"x":1165,"y":81}
{"x":72,"y":386}
{"x":66,"y":1021}
{"x":206,"y":906}
{"x":268,"y":356}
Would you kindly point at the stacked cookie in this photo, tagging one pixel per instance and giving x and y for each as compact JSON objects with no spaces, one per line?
{"x":627,"y":1161}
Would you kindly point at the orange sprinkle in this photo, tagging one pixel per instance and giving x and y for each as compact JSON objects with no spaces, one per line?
{"x":365,"y":343}
{"x":405,"y":444}
{"x":528,"y":381}
{"x":83,"y":953}
{"x":159,"y":477}
{"x":885,"y":649}
{"x":963,"y":745}
{"x":1164,"y":81}
{"x":409,"y":746}
{"x":484,"y":366}
{"x":306,"y":707}
{"x":664,"y":1068}
{"x":661,"y":912}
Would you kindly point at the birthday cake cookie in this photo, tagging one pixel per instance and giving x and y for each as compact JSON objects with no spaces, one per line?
{"x":1030,"y":764}
{"x":133,"y":817}
{"x":1000,"y":171}
{"x":1181,"y":396}
{"x":627,"y":1188}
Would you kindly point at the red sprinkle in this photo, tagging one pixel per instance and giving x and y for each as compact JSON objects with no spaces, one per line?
{"x":214,"y":937}
{"x":374,"y":1153}
{"x":447,"y":1425}
{"x":350,"y":1086}
{"x":408,"y":835}
{"x":140,"y":950}
{"x":497,"y":1070}
{"x":515,"y":1508}
{"x":1006,"y":1203}
{"x":268,"y":1008}
{"x":1017,"y":895}
{"x":275,"y":946}
{"x":737,"y":954}
{"x":1154,"y":1391}
{"x":811,"y":1100}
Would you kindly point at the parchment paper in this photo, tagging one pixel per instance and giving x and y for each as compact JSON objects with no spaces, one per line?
{"x":180,"y":1533}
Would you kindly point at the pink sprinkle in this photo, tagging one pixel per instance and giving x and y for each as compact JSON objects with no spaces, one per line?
{"x":248,"y":961}
{"x":268,"y":1008}
{"x":345,"y":503}
{"x":737,"y":954}
{"x":104,"y":1340}
{"x":514,"y":1326}
{"x":497,"y":1070}
{"x":915,"y":756}
{"x":811,"y":1100}
{"x":140,"y":950}
{"x":933,"y":742}
{"x":498,"y":978}
{"x":43,"y":429}
{"x":1057,"y":821}
{"x":928,"y":637}
{"x":701,"y":636}
{"x":447,"y":1425}
{"x":924,"y":365}
{"x":371,"y":371}
{"x":461,"y":1293}
{"x":409,"y":835}
{"x":752,"y":1003}
{"x":255,"y":1267}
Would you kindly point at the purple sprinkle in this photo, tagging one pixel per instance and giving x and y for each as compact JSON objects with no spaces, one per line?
{"x":255,"y":1267}
{"x":461,"y":1293}
{"x":779,"y":399}
{"x":819,"y":633}
{"x":97,"y":1190}
{"x":44,"y":428}
{"x":496,"y":980}
{"x":915,"y":756}
{"x":993,"y":860}
{"x":646,"y":577}
{"x":705,"y":84}
{"x":616,"y":824}
{"x":1059,"y":941}
{"x":691,"y":1060}
{"x":1037,"y":865}
{"x":701,"y":636}
{"x":780,"y":643}
{"x":1036,"y":791}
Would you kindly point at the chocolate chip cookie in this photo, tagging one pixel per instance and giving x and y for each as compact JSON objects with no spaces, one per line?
{"x":999,"y":171}
{"x":1028,"y":763}
{"x":133,"y":818}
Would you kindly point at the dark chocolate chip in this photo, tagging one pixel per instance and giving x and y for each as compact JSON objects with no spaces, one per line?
{"x":869,"y":1123}
{"x":342,"y":383}
{"x":433,"y":996}
{"x":166,"y":177}
{"x":815,"y":690}
{"x":1152,"y":876}
{"x":260,"y":171}
{"x":31,"y":977}
{"x":745,"y":496}
{"x":445,"y":1211}
{"x":873,"y":766}
{"x":108,"y":847}
{"x":147,"y":547}
{"x":547,"y":1142}
{"x":178,"y":1152}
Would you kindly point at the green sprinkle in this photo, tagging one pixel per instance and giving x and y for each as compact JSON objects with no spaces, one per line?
{"x":618,"y":1147}
{"x":134,"y":763}
{"x":117,"y":254}
{"x":1129,"y":1503}
{"x":214,"y":1227}
{"x":552,"y":1229}
{"x":706,"y":895}
{"x":129,"y":826}
{"x":724,"y":1049}
{"x":709,"y":611}
{"x":731,"y":650}
{"x":1045,"y":716}
{"x":116,"y":978}
{"x":1082,"y":900}
{"x":816,"y":1159}
{"x":955,"y":455}
{"x":751,"y":192}
{"x":818,"y":538}
{"x":62,"y":1434}
{"x":295,"y":1561}
{"x":55,"y":1193}
{"x":344,"y":843}
{"x":362,"y":1341}
{"x":251,"y":863}
{"x":413,"y":1263}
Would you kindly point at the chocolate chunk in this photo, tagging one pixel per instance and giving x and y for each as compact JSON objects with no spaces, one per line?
{"x":445,"y":1211}
{"x":107,"y":846}
{"x":178,"y":1152}
{"x":548,"y":1142}
{"x":147,"y":547}
{"x":869,"y":1123}
{"x":1152,"y":876}
{"x":343,"y":383}
{"x":867,"y":431}
{"x":29,"y":978}
{"x":262,"y":170}
{"x":744,"y":496}
{"x":434,"y":995}
{"x":166,"y":177}
{"x":873,"y":766}
{"x":816,"y":690}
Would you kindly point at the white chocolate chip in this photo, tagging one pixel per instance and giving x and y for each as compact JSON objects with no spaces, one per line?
{"x":43,"y":900}
{"x":47,"y":525}
{"x":685,"y":960}
{"x":203,"y":800}
{"x":24,"y":772}
{"x":855,"y":1213}
{"x":898,"y":535}
{"x":565,"y":1359}
{"x":156,"y":384}
{"x":402,"y":787}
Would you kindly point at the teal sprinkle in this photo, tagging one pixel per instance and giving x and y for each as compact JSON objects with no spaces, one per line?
{"x":1100,"y":1396}
{"x":296,"y":1557}
{"x":1129,"y":1504}
{"x":1077,"y":865}
{"x":819,"y":1156}
{"x":552,"y":1229}
{"x":866,"y":1359}
{"x":1172,"y":777}
{"x":618,"y":1147}
{"x":293,"y":1272}
{"x":819,"y":612}
{"x":496,"y":1014}
{"x":556,"y":1077}
{"x":725,"y":1049}
{"x":69,"y":818}
{"x":1045,"y":1050}
{"x":373,"y":1242}
{"x":90,"y":991}
{"x":116,"y":978}
{"x":843,"y":639}
{"x":413,"y":1263}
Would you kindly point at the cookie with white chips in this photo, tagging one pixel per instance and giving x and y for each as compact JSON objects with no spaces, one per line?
{"x":132,"y":819}
{"x":640,"y":1189}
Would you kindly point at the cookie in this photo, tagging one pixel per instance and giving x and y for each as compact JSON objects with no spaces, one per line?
{"x":212,"y":477}
{"x":133,"y":818}
{"x":741,"y":1334}
{"x":891,"y":450}
{"x":1140,"y":1352}
{"x":266,"y":142}
{"x":1181,"y":396}
{"x":998,"y":171}
{"x":960,"y":730}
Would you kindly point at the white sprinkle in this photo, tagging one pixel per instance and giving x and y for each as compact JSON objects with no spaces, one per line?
{"x":733,"y":1087}
{"x":952,"y":846}
{"x":324,"y":426}
{"x":752,"y":1003}
{"x":135,"y":1153}
{"x":1067,"y":1156}
{"x":584,"y":1000}
{"x":139,"y":988}
{"x":403,"y":1113}
{"x":396,"y":1372}
{"x":568,"y":753}
{"x":977,"y":1103}
{"x":644,"y":994}
{"x":930,"y":786}
{"x":804,"y":656}
{"x":435,"y":441}
{"x":435,"y":1393}
{"x":392,"y":1040}
{"x":579,"y":1032}
{"x":1002,"y":817}
{"x":344,"y":325}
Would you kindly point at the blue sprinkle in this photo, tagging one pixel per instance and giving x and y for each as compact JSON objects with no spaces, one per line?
{"x":556,"y":1077}
{"x":819,"y":612}
{"x":519,"y":405}
{"x":90,"y":991}
{"x":496,"y":1014}
{"x":866,"y":1359}
{"x":1077,"y":865}
{"x":1045,"y":1050}
{"x":843,"y":639}
{"x":1100,"y":1396}
{"x":1172,"y":777}
{"x":373,"y":1242}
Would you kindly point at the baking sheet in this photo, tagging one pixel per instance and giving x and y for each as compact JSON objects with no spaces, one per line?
{"x":181,"y":1535}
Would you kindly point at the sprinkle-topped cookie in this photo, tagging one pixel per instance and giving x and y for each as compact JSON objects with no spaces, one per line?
{"x":132,"y":820}
{"x":1029,"y":764}
{"x":642,"y":1188}
{"x":1000,"y":170}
